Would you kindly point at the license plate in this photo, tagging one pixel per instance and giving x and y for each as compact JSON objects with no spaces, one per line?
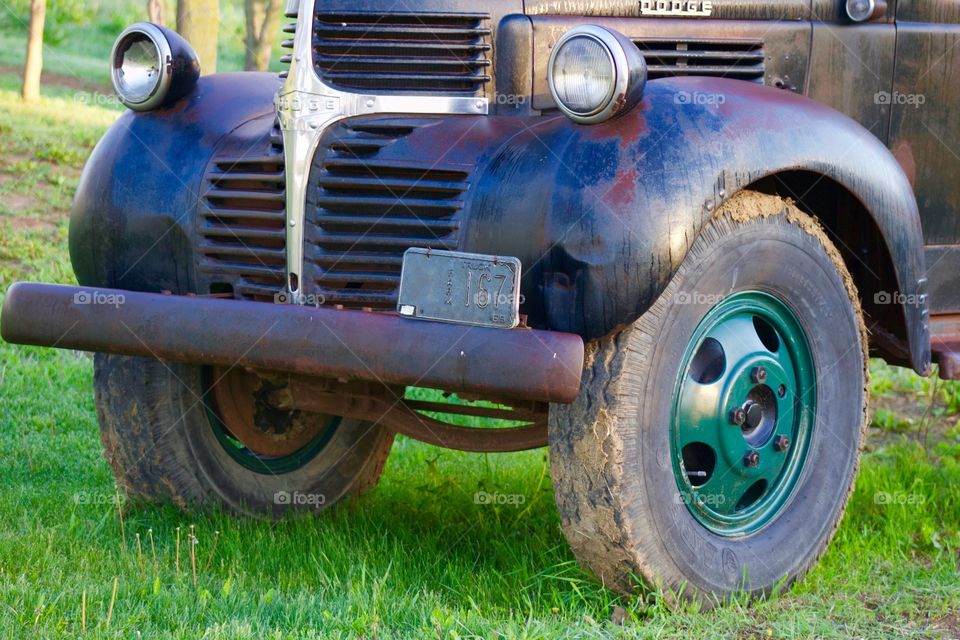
{"x":462,"y":288}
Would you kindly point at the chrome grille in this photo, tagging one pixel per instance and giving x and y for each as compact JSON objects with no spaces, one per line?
{"x":405,"y":52}
{"x":364,"y":212}
{"x":243,"y":221}
{"x":737,"y":59}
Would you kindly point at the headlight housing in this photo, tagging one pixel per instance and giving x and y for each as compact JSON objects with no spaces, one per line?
{"x":595,"y":74}
{"x":152,"y":67}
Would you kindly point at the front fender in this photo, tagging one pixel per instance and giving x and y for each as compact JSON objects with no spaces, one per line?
{"x":132,"y":224}
{"x":602,"y":216}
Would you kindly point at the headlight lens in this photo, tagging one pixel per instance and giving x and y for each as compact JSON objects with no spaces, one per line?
{"x":152,"y":67}
{"x":137,"y":68}
{"x":583,"y":75}
{"x":595,"y":73}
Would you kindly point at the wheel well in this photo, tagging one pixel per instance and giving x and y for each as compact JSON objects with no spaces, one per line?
{"x":856,"y":235}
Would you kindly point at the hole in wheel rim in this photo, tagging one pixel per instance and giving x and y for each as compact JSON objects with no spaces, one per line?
{"x":767,"y":334}
{"x":751,"y":495}
{"x":699,"y":461}
{"x":709,"y":362}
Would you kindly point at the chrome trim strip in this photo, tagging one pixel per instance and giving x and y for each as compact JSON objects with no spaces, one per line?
{"x":306,"y":107}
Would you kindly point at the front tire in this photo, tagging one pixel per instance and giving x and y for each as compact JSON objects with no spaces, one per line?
{"x":198,"y":436}
{"x":715,"y":442}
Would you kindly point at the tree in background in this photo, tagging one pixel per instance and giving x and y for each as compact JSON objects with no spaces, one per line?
{"x":155,"y":11}
{"x":199,"y":22}
{"x":263,"y":21}
{"x":34,"y":64}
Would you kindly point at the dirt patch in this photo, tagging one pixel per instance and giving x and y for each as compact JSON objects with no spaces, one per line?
{"x":14,"y":159}
{"x":28,"y":224}
{"x":62,"y":80}
{"x":17,"y":202}
{"x":920,"y":418}
{"x":948,"y":625}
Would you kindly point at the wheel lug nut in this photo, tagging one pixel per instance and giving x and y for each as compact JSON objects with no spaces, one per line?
{"x":738,"y":416}
{"x":758,"y":375}
{"x":781,"y":443}
{"x":751,"y":458}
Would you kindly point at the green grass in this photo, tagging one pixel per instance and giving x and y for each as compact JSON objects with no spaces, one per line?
{"x":418,"y":558}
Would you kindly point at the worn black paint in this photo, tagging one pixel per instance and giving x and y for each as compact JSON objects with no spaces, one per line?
{"x":602,"y":216}
{"x":133,"y":224}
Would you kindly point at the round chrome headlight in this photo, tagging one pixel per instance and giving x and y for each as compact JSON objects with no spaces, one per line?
{"x":152,"y":67}
{"x":860,"y":10}
{"x":595,"y":73}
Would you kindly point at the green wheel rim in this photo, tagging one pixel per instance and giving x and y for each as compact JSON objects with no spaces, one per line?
{"x":743,"y":412}
{"x":268,"y":465}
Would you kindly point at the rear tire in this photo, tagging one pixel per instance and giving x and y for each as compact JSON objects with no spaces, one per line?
{"x":633,"y":497}
{"x":166,"y":443}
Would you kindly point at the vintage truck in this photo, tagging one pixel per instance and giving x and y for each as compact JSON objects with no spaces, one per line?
{"x":661,"y":237}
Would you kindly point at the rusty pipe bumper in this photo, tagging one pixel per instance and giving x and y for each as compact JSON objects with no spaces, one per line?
{"x":328,"y":343}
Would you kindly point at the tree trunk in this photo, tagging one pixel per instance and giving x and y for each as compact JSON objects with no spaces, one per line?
{"x":263,"y":22}
{"x":155,"y":11}
{"x":34,"y":64}
{"x":199,"y":22}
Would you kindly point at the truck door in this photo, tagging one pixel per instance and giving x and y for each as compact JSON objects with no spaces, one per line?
{"x":924,"y":128}
{"x":851,"y":65}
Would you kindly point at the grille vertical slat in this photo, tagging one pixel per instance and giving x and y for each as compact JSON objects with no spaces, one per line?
{"x":405,"y":52}
{"x":738,"y":59}
{"x":364,"y":212}
{"x":243,"y":221}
